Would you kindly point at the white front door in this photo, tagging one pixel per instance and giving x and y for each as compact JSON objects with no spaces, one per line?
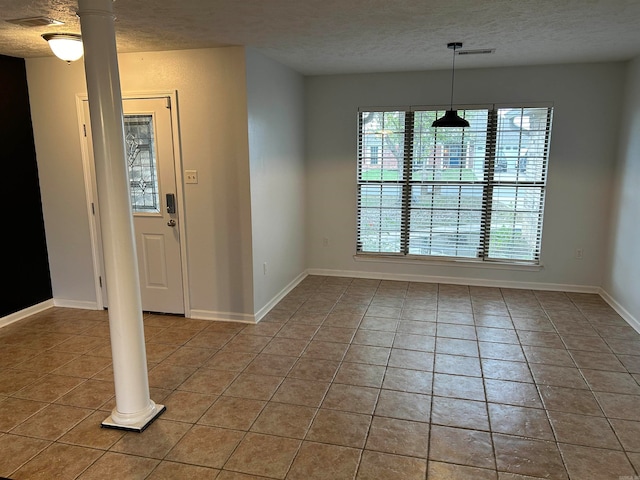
{"x":152,"y":185}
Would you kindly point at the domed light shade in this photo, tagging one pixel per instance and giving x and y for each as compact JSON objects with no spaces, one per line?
{"x":65,"y":46}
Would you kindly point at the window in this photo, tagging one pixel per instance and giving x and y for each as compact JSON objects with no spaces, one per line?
{"x":474,"y":193}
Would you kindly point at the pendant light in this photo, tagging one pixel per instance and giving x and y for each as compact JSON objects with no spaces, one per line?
{"x":451,"y":118}
{"x":65,"y":46}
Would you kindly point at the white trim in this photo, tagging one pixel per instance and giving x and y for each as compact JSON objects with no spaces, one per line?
{"x":480,"y":282}
{"x":259,"y":315}
{"x":222,"y":316}
{"x":623,"y":312}
{"x":457,"y":262}
{"x":26,"y":312}
{"x":66,"y":303}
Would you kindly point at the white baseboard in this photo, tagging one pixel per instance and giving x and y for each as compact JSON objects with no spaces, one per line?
{"x":283,"y":293}
{"x":14,"y":317}
{"x":222,"y":316}
{"x":457,"y":281}
{"x":623,"y":312}
{"x":63,"y":302}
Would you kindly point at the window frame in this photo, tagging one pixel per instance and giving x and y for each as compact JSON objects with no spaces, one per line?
{"x":490,"y":183}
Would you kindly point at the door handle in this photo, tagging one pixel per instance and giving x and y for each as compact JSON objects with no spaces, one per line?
{"x":171,"y":223}
{"x":171,"y":203}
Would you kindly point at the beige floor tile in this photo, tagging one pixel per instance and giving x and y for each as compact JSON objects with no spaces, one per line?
{"x":569,"y":400}
{"x":195,"y":446}
{"x":208,"y":381}
{"x":326,"y":350}
{"x":46,"y":362}
{"x":173,"y":471}
{"x":504,"y":370}
{"x":548,"y":356}
{"x":458,"y":386}
{"x":16,"y":450}
{"x":318,"y":461}
{"x":266,"y":364}
{"x":367,"y":354}
{"x":448,"y":471}
{"x":613,"y":382}
{"x":301,"y":392}
{"x":401,"y":437}
{"x":597,"y":361}
{"x":374,"y":338}
{"x":185,"y":406}
{"x":14,"y":411}
{"x":512,"y":393}
{"x":628,"y":432}
{"x":284,"y":420}
{"x":535,"y":458}
{"x":409,"y":341}
{"x":351,"y":398}
{"x":501,"y":351}
{"x":450,"y":330}
{"x":411,"y":359}
{"x":155,"y":442}
{"x":360,"y":374}
{"x":583,"y":430}
{"x":264,"y":455}
{"x":257,"y":387}
{"x":58,"y":461}
{"x":84,"y":366}
{"x":404,"y":405}
{"x":406,"y":380}
{"x":588,"y":462}
{"x":497,"y":335}
{"x":455,"y":346}
{"x":89,"y":394}
{"x":190,"y":356}
{"x":461,"y":446}
{"x":117,"y":465}
{"x":455,"y":412}
{"x":49,"y":388}
{"x":233,"y":412}
{"x":299,"y":331}
{"x":314,"y":369}
{"x":457,"y":365}
{"x":520,"y":421}
{"x":415,"y":327}
{"x":335,"y":334}
{"x":292,"y":347}
{"x":620,"y":406}
{"x":230,"y":360}
{"x":248,"y":343}
{"x":52,"y":422}
{"x":339,"y":428}
{"x":169,"y":376}
{"x":377,"y":465}
{"x":89,"y":433}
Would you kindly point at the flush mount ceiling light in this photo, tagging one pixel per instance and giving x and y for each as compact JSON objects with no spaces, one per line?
{"x":65,"y":46}
{"x":451,"y":118}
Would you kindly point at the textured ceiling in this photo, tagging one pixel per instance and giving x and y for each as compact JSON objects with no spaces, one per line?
{"x":350,"y":36}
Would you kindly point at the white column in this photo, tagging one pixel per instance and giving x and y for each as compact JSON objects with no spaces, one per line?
{"x":134,"y":409}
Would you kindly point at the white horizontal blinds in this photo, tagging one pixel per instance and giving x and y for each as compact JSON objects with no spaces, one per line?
{"x":381,"y":152}
{"x":447,"y":182}
{"x":475,"y":193}
{"x":518,"y":183}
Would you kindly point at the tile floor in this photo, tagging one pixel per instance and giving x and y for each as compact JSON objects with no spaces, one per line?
{"x":344,"y":379}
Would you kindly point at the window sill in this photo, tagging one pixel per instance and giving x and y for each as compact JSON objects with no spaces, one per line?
{"x":454,"y":262}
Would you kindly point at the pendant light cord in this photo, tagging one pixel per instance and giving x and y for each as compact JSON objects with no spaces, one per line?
{"x":453,"y":75}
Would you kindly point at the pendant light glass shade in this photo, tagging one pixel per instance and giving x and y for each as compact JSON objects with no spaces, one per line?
{"x":451,"y":119}
{"x":65,"y":46}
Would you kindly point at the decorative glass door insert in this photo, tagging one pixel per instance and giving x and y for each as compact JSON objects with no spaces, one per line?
{"x":141,"y":161}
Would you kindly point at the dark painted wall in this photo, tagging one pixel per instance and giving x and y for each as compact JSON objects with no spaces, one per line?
{"x":25,"y":264}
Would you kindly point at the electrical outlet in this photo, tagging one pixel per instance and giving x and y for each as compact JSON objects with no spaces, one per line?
{"x":325,"y":242}
{"x":579,"y":254}
{"x":190,"y":176}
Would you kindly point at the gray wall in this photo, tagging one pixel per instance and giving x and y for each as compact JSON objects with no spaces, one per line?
{"x":275,"y":100}
{"x":622,"y":279}
{"x":587,"y":99}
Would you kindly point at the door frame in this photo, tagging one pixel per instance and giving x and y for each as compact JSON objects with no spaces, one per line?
{"x":91,"y":191}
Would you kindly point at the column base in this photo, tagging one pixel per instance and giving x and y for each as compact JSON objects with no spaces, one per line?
{"x":135,"y":426}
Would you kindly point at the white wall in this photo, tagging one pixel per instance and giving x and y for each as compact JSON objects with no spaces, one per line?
{"x":622,"y":279}
{"x":275,"y":98}
{"x":212,"y":106}
{"x":587,"y":100}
